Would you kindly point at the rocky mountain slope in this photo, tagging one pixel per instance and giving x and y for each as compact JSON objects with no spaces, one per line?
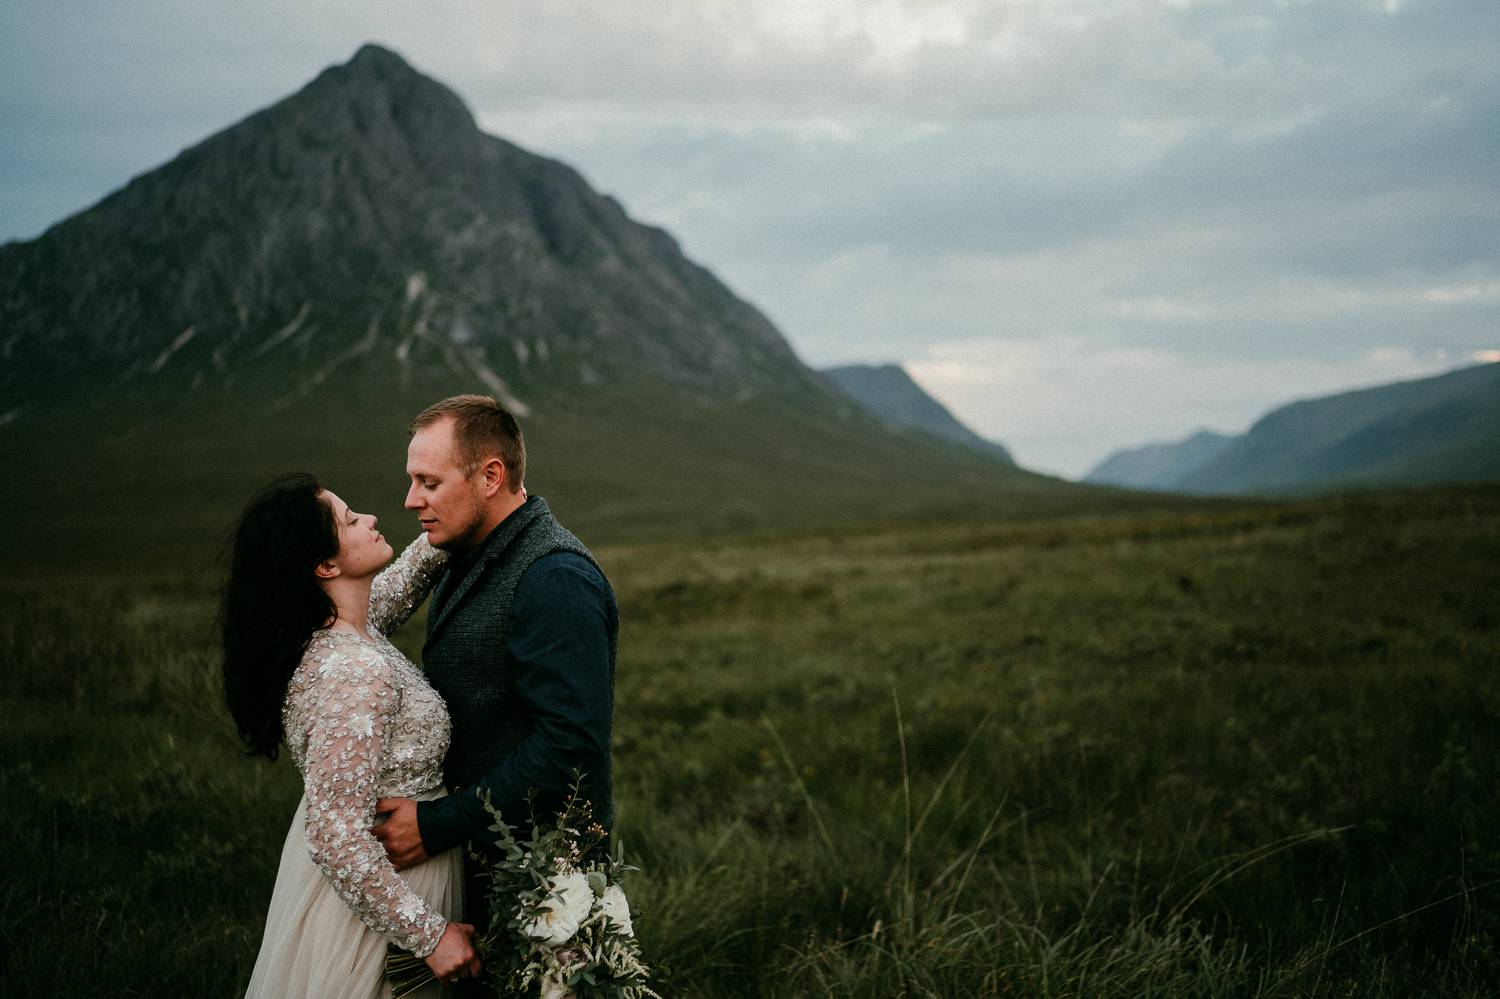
{"x":366,"y":216}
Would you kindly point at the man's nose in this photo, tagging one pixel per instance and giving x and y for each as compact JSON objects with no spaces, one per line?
{"x":411,"y":498}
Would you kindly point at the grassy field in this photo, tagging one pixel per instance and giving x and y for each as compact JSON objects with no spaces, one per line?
{"x":1229,"y":751}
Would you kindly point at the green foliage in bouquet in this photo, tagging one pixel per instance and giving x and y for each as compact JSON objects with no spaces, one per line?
{"x":559,"y":923}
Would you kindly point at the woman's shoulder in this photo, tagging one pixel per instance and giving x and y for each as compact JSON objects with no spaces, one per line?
{"x":334,"y":655}
{"x":341,"y":675}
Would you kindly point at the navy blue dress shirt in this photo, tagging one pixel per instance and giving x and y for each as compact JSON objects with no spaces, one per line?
{"x":562,"y":617}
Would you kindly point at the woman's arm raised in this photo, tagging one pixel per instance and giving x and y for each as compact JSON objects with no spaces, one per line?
{"x":402,"y":586}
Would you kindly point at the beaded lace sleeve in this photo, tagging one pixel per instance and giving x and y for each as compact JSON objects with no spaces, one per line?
{"x":350,"y":705}
{"x":402,"y":586}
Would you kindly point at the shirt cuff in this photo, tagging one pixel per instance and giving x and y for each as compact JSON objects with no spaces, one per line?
{"x":441,"y":824}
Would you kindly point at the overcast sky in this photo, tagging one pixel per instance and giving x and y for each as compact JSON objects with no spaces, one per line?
{"x":1081,"y":225}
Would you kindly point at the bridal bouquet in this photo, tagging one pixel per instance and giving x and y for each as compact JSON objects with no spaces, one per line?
{"x":559,"y":924}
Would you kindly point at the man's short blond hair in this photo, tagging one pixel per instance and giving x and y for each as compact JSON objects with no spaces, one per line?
{"x":482,"y":429}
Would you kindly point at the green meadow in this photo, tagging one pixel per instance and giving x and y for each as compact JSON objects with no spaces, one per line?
{"x":1227,"y":749}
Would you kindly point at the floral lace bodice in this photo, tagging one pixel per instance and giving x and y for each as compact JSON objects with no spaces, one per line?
{"x":362,"y":723}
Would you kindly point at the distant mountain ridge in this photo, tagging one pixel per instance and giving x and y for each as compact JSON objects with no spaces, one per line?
{"x":1445,"y":428}
{"x":892,"y":397}
{"x":1160,"y":465}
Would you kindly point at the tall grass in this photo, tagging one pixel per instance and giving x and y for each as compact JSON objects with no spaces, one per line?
{"x":1228,"y":752}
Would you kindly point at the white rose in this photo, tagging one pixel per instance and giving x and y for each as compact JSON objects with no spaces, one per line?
{"x":568,"y":902}
{"x":617,"y":910}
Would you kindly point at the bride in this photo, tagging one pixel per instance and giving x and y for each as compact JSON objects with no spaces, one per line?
{"x":306,"y":662}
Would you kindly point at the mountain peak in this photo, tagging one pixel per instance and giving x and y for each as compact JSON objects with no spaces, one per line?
{"x":888,"y":392}
{"x":374,"y":54}
{"x":378,"y":85}
{"x":376,"y":64}
{"x":365,"y":222}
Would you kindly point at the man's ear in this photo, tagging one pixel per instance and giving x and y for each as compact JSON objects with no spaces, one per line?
{"x":327,"y":570}
{"x":495,"y":473}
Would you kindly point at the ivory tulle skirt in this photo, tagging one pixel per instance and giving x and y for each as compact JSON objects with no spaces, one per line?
{"x":316,"y":947}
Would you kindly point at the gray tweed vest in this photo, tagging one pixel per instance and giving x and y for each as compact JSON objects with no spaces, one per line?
{"x":466,"y":658}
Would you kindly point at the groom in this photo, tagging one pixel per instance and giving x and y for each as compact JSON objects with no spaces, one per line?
{"x":520,"y":640}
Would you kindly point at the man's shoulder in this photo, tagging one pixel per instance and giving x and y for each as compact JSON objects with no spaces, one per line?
{"x":560,"y":567}
{"x":563,"y":587}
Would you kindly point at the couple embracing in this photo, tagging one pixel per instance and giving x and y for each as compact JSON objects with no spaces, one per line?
{"x":514,"y":698}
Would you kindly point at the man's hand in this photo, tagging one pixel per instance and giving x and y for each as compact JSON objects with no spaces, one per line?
{"x":398,"y":833}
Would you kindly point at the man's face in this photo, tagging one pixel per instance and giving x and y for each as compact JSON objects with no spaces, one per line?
{"x":448,"y":503}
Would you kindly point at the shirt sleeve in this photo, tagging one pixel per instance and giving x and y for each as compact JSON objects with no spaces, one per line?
{"x":562,"y":617}
{"x":352,"y":704}
{"x":401,"y":586}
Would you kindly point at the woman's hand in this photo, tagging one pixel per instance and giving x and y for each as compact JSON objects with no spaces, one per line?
{"x":454,"y":956}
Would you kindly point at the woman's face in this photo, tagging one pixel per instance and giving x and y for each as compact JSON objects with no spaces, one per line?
{"x":363,"y":551}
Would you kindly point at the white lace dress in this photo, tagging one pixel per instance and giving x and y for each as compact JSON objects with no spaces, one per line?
{"x":361,"y":723}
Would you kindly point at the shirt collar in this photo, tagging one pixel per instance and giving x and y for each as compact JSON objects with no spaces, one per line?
{"x":466,"y":560}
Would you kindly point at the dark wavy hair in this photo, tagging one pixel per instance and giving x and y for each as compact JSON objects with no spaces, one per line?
{"x":272,"y":602}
